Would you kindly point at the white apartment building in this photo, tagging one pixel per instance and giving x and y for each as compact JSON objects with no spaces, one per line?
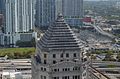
{"x":11,"y":39}
{"x":19,"y":20}
{"x":19,"y":15}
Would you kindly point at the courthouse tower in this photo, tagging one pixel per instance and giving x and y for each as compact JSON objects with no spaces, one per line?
{"x":59,"y":54}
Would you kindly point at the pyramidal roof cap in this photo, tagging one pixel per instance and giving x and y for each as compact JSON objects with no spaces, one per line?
{"x":59,"y":36}
{"x":60,"y":17}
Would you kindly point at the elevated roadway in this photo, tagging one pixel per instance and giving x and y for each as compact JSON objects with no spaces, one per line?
{"x":103,"y":32}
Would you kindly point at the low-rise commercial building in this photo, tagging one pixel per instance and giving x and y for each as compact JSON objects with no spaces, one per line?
{"x":10,"y":40}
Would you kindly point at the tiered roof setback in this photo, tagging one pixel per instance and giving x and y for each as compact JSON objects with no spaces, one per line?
{"x":59,"y":36}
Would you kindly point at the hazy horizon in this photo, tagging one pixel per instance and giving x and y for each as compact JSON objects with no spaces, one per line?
{"x":95,"y":0}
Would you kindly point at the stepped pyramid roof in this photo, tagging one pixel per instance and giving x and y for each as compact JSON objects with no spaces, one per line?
{"x":59,"y":36}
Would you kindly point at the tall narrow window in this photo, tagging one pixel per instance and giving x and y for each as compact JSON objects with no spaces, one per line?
{"x":55,"y":70}
{"x":55,"y":77}
{"x":44,"y":69}
{"x":54,"y":62}
{"x":73,"y":77}
{"x":74,"y":55}
{"x":65,"y":69}
{"x":68,"y":69}
{"x":76,"y":77}
{"x":41,"y":77}
{"x":41,"y":68}
{"x":44,"y":77}
{"x":65,"y":77}
{"x":54,"y":55}
{"x":61,"y":55}
{"x":45,"y":62}
{"x":67,"y":55}
{"x":68,"y":77}
{"x":45,"y":55}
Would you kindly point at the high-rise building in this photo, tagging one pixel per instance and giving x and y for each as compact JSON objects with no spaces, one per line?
{"x":2,"y":6}
{"x":2,"y":10}
{"x":45,"y":12}
{"x":1,"y":30}
{"x":117,"y":5}
{"x":19,"y":21}
{"x":73,"y":11}
{"x":1,"y":20}
{"x":59,"y":54}
{"x":19,"y":15}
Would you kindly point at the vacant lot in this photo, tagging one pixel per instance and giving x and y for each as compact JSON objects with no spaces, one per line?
{"x":17,"y":52}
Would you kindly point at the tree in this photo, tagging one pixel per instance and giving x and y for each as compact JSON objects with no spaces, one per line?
{"x":93,"y":57}
{"x":109,"y":57}
{"x":31,"y":43}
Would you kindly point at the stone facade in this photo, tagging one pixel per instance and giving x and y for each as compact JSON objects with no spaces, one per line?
{"x":59,"y":54}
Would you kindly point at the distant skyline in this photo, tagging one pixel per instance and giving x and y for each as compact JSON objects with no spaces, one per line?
{"x":95,"y":0}
{"x":103,"y":0}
